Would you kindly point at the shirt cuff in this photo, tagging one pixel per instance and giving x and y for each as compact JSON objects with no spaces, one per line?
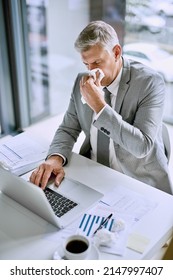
{"x":57,"y":154}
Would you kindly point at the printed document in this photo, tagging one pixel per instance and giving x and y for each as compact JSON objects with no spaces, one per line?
{"x":22,"y":153}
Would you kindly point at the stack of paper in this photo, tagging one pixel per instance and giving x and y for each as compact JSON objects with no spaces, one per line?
{"x":22,"y":153}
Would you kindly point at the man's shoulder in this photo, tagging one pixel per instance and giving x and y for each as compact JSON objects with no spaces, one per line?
{"x":139,"y":70}
{"x":138,"y":67}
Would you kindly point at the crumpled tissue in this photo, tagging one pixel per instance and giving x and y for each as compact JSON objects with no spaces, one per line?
{"x":104,"y":237}
{"x":93,"y":74}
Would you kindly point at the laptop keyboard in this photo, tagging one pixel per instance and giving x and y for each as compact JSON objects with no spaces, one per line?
{"x":60,"y":204}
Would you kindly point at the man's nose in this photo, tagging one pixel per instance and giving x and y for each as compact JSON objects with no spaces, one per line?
{"x":91,"y":67}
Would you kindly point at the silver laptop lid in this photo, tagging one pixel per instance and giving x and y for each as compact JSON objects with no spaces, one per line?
{"x":33,"y":198}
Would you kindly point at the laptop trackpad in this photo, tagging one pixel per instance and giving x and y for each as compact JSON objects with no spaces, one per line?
{"x":73,"y":190}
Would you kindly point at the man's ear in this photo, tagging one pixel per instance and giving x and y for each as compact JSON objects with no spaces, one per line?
{"x":117,"y":51}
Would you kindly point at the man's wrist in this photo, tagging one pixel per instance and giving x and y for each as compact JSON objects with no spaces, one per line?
{"x":99,"y":113}
{"x":58,"y":156}
{"x":99,"y":108}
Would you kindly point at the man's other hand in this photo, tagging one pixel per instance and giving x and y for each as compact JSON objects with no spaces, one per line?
{"x":52,"y":166}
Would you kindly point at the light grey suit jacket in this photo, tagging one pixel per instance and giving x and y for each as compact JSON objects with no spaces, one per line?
{"x":135,"y":125}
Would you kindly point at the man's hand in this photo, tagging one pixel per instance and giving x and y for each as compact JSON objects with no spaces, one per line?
{"x":92,"y":92}
{"x":41,"y":175}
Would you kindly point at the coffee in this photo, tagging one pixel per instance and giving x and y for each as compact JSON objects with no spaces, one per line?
{"x":76,"y":246}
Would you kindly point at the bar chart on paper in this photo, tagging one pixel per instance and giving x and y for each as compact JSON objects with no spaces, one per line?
{"x":90,"y":222}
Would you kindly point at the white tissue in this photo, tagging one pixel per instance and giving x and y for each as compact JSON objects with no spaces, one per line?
{"x":104,"y":237}
{"x":4,"y":165}
{"x":93,"y":74}
{"x":119,"y":225}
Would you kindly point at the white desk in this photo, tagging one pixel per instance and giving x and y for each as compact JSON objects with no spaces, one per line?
{"x":23,"y":235}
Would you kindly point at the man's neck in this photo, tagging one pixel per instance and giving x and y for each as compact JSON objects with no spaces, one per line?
{"x":118,"y":68}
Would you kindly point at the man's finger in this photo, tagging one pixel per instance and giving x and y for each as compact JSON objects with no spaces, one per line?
{"x":45,"y":178}
{"x":59,"y":178}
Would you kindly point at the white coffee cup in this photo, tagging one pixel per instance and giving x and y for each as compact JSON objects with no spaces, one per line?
{"x":77,"y":247}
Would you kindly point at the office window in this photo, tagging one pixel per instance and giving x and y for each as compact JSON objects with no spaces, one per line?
{"x":149,"y":31}
{"x":7,"y":117}
{"x":37,"y":39}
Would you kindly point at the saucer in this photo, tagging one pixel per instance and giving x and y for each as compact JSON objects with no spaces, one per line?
{"x":93,"y":255}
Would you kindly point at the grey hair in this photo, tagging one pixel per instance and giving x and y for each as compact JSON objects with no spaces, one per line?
{"x":96,"y":32}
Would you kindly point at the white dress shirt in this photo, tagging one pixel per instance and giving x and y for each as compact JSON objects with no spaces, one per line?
{"x":113,"y":88}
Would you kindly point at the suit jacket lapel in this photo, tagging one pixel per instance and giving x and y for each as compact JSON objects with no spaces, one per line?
{"x":123,"y":86}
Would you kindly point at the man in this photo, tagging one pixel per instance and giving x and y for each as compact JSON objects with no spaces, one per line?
{"x":132,"y":123}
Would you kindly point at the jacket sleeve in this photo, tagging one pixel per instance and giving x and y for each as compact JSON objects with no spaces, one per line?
{"x":135,"y":127}
{"x":67,"y":133}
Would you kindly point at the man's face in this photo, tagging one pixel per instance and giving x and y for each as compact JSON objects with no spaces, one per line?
{"x":98,"y":57}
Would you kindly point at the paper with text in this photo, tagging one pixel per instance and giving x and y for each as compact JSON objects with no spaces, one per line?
{"x":22,"y":153}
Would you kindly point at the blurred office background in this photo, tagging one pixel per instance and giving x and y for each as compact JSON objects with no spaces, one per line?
{"x":38,"y":62}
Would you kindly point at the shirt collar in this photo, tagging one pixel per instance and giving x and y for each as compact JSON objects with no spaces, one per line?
{"x":114,"y":85}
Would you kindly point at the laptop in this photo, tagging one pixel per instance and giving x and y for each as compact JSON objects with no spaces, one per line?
{"x":75,"y":198}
